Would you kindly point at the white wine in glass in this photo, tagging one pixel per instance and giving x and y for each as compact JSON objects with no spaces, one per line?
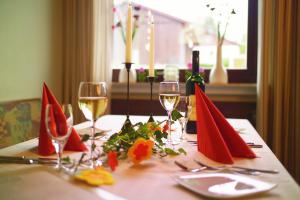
{"x":92,"y":107}
{"x":169,"y":97}
{"x":169,"y":101}
{"x":92,"y":100}
{"x":184,"y":108}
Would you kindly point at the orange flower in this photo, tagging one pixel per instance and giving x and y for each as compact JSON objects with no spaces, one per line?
{"x":140,"y":150}
{"x":112,"y":160}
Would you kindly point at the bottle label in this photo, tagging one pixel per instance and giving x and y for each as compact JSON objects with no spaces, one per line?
{"x":193,"y":114}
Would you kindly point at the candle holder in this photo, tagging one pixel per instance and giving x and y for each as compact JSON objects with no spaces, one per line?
{"x":127,"y":124}
{"x":151,"y":80}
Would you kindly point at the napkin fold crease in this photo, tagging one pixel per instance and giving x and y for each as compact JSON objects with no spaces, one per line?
{"x":45,"y":146}
{"x":216,"y":138}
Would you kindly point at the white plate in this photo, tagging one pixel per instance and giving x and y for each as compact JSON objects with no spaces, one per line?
{"x":222,"y":186}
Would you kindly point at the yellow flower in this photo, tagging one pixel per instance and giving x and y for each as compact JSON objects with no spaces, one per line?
{"x":140,"y":150}
{"x":95,"y":177}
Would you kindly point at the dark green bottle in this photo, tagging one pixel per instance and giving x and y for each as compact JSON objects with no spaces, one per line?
{"x":190,"y":91}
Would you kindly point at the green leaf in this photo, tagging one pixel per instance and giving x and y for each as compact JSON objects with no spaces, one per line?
{"x":85,"y":138}
{"x":182,"y":151}
{"x":158,"y":136}
{"x":176,"y":115}
{"x":98,"y":134}
{"x":187,"y":75}
{"x":66,"y":159}
{"x":171,"y":152}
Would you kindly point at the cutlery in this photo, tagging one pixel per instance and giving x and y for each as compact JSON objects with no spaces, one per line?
{"x":225,"y":168}
{"x":237,"y":167}
{"x":23,"y":157}
{"x":27,"y":161}
{"x":250,"y":144}
{"x":182,"y":166}
{"x":255,"y":145}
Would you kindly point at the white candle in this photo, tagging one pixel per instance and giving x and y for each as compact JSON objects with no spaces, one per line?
{"x":151,"y":49}
{"x":128,"y":35}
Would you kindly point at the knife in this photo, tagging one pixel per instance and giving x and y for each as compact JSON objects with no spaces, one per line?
{"x":272,"y":171}
{"x":269,"y":171}
{"x":24,"y":160}
{"x":23,"y":157}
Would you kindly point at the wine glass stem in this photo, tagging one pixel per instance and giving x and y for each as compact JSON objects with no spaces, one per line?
{"x":93,"y":144}
{"x":169,"y":121}
{"x":59,"y":153}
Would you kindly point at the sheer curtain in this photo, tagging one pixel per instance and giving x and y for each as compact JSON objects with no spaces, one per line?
{"x":86,"y":46}
{"x":278,"y":107}
{"x":103,"y":21}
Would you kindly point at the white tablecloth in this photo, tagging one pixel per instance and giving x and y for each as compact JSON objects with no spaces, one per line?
{"x":153,"y":179}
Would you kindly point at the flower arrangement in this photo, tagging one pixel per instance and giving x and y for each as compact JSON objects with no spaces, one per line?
{"x":120,"y":23}
{"x":139,"y":142}
{"x":222,"y":12}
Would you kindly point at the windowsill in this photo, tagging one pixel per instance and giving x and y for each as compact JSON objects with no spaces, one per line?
{"x":233,"y":92}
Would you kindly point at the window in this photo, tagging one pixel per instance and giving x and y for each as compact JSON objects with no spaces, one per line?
{"x":182,"y":26}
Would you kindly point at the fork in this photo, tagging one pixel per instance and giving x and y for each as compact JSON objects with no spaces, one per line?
{"x":185,"y":168}
{"x":268,"y":171}
{"x":237,"y":170}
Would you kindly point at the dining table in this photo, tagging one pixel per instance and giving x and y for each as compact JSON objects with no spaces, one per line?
{"x":152,"y":179}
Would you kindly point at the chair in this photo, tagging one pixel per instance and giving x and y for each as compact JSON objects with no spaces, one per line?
{"x":19,"y":121}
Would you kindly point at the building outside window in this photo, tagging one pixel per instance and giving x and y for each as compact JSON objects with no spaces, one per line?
{"x":181,"y":26}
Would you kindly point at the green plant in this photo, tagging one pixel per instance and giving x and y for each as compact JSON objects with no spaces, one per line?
{"x":142,"y":75}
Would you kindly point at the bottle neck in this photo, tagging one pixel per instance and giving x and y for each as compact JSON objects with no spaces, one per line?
{"x":195,"y":69}
{"x":195,"y":64}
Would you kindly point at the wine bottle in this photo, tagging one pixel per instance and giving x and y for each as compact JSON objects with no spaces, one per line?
{"x":190,"y":92}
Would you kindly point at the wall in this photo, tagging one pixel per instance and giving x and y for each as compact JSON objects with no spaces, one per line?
{"x":30,"y":48}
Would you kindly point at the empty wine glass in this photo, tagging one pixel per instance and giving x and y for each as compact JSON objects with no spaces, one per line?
{"x":92,"y":100}
{"x":185,"y":109}
{"x":59,"y":123}
{"x":169,"y":96}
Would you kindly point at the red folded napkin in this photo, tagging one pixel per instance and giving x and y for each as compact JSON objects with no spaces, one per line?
{"x":45,"y":145}
{"x":216,"y":138}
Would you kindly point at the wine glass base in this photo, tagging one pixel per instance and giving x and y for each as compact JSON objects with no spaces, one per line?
{"x":92,"y":164}
{"x":172,"y":144}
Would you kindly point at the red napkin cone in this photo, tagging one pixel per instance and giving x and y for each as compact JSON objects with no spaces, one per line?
{"x":216,"y":138}
{"x":45,"y":145}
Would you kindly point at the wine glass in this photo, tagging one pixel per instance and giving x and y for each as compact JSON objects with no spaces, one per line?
{"x":169,"y":97}
{"x":185,"y":109}
{"x":92,"y":100}
{"x":59,"y":131}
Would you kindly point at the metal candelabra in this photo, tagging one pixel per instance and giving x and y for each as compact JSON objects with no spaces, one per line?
{"x":127,"y":123}
{"x":151,"y":80}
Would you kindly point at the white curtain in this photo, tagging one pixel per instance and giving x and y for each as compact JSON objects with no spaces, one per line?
{"x":103,"y":21}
